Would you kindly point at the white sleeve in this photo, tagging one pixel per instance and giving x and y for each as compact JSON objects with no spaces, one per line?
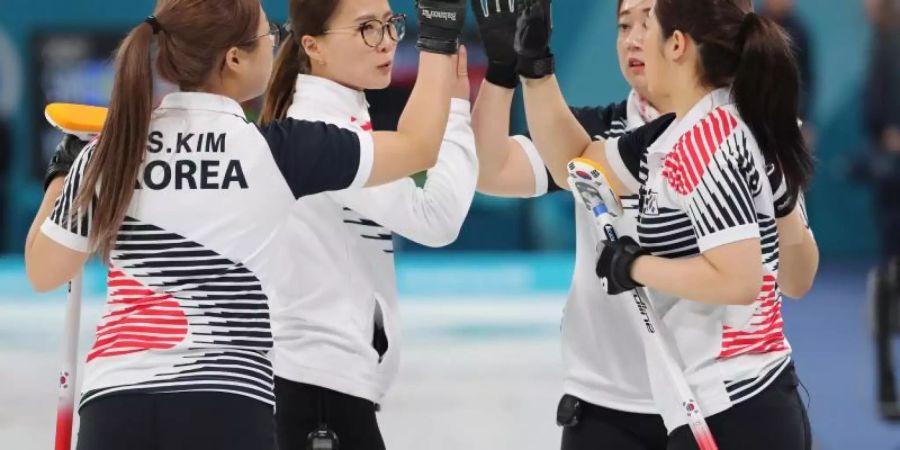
{"x":366,"y":160}
{"x":541,"y":180}
{"x":801,"y":203}
{"x":714,"y":187}
{"x":433,"y":214}
{"x":67,"y":225}
{"x":618,"y":166}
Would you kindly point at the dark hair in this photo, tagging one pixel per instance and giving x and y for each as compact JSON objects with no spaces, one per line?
{"x":753,"y":55}
{"x":307,"y":18}
{"x":192,"y":42}
{"x":888,"y":15}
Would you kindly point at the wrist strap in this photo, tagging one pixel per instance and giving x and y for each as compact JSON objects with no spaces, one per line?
{"x":438,"y":46}
{"x":502,"y":75}
{"x":536,"y":68}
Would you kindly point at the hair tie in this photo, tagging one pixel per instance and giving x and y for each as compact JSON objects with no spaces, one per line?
{"x":749,"y":21}
{"x":153,"y":24}
{"x":290,"y":33}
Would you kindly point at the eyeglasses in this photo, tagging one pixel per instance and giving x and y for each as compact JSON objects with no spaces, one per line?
{"x":274,"y":33}
{"x":373,"y":31}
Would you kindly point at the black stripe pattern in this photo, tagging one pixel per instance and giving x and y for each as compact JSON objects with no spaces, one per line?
{"x":722,"y":198}
{"x":64,"y":213}
{"x":741,"y":390}
{"x":709,"y":184}
{"x":226,"y":309}
{"x":370,"y":230}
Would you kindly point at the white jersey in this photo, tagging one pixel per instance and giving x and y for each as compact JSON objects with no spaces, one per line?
{"x":603,"y":356}
{"x":704,"y":185}
{"x":199,"y":255}
{"x":328,"y":333}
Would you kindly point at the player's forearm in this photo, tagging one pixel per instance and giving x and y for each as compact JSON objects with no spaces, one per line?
{"x":34,"y":259}
{"x":54,"y":189}
{"x":798,"y":253}
{"x":554,"y":129}
{"x":490,"y":122}
{"x":425,"y":116}
{"x":700,"y":279}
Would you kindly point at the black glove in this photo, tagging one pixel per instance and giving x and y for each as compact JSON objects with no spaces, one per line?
{"x":497,"y":25}
{"x":638,"y":140}
{"x":615,"y":264}
{"x":440,"y":24}
{"x":61,"y":162}
{"x":785,"y":201}
{"x":533,"y":40}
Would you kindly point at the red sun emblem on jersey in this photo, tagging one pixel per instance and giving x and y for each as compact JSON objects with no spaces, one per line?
{"x":139,"y":319}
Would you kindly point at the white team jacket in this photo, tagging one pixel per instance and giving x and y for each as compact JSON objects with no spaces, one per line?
{"x":345,"y":261}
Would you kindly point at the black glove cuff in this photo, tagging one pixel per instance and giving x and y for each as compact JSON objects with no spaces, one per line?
{"x":536,"y":67}
{"x":55,"y":171}
{"x":441,"y":46}
{"x":61,"y":163}
{"x":502,"y":75}
{"x":787,"y":206}
{"x":622,"y":268}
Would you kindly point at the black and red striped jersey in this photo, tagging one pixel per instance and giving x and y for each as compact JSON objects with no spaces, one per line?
{"x":703,"y":184}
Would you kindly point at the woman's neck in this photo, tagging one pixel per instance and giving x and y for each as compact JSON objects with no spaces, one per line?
{"x":683,"y":100}
{"x":221,"y":87}
{"x":661,"y":104}
{"x":318,"y":71}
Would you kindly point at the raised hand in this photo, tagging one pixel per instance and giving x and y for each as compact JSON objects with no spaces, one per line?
{"x":497,"y":25}
{"x":461,"y":87}
{"x":440,"y":24}
{"x":532,"y":44}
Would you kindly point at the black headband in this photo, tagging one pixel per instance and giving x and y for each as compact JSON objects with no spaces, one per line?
{"x":153,"y":24}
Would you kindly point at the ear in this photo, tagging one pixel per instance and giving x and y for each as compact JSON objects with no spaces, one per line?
{"x":232,"y":59}
{"x":312,"y":48}
{"x":677,"y":45}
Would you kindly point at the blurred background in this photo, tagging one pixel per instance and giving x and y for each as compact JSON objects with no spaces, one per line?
{"x":481,"y":368}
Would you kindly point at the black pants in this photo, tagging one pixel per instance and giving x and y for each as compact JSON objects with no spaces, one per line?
{"x":602,"y":428}
{"x":887,"y":214}
{"x":884,"y":286}
{"x":178,"y":421}
{"x":774,"y":419}
{"x":300,"y":408}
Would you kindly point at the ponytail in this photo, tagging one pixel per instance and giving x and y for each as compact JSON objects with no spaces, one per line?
{"x":306,"y":18}
{"x":291,"y":60}
{"x":766,"y":89}
{"x":191,"y":44}
{"x":754,"y":56}
{"x":120,"y":149}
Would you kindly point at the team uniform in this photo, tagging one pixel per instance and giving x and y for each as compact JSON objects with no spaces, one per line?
{"x":704,"y":183}
{"x":181,"y":350}
{"x":338,"y":338}
{"x":603,"y":358}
